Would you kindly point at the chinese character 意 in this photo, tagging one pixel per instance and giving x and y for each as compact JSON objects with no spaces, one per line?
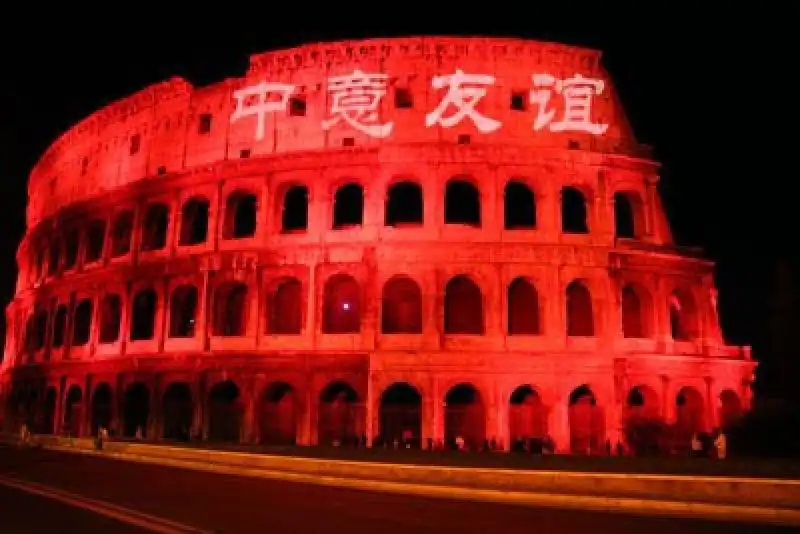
{"x":356,"y":98}
{"x":577,"y":93}
{"x":255,"y":100}
{"x":464,"y":91}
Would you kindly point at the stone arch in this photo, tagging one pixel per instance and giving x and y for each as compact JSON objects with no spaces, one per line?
{"x":41,"y":321}
{"x":54,"y":257}
{"x":183,"y":311}
{"x":580,"y":310}
{"x":224,"y":412}
{"x":102,"y":407}
{"x":586,"y":422}
{"x":95,"y":240}
{"x":348,"y":206}
{"x":82,"y":325}
{"x":285,"y":307}
{"x":136,"y":410}
{"x":730,"y":408}
{"x":522,"y":308}
{"x":527,"y":416}
{"x":194,"y":221}
{"x":401,"y":415}
{"x":463,"y":312}
{"x":294,"y":212}
{"x":684,"y":320}
{"x":643,"y":402}
{"x":637,"y":312}
{"x":519,"y":206}
{"x":339,"y":414}
{"x":279,"y":413}
{"x":178,"y":411}
{"x":401,"y":306}
{"x":464,"y":417}
{"x":628,"y":215}
{"x":689,"y":415}
{"x":73,"y":410}
{"x":405,"y":204}
{"x":341,"y":312}
{"x":574,"y":211}
{"x":462,"y":203}
{"x":241,"y":215}
{"x":155,"y":224}
{"x":230,"y":309}
{"x":121,"y":233}
{"x":49,"y":411}
{"x":60,"y":325}
{"x":110,"y":318}
{"x":72,"y":241}
{"x":645,"y":432}
{"x":143,"y":319}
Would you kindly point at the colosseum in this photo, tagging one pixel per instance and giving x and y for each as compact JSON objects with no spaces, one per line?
{"x":425,"y":239}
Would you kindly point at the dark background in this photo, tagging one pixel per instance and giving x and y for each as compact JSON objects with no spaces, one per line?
{"x":711,"y":90}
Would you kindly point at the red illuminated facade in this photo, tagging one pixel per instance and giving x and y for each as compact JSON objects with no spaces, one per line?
{"x":290,"y":277}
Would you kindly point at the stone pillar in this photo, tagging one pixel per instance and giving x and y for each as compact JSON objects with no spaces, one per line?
{"x":667,"y":400}
{"x":372,"y":410}
{"x":199,"y":400}
{"x":249,"y":403}
{"x":711,"y":404}
{"x":306,"y":428}
{"x":559,"y":425}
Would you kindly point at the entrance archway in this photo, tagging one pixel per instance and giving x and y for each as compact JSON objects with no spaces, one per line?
{"x":527,"y":416}
{"x":338,"y":414}
{"x":178,"y":411}
{"x":401,"y":415}
{"x":73,"y":411}
{"x":279,"y":415}
{"x":136,"y":409}
{"x":102,"y":402}
{"x":586,"y":422}
{"x":224,"y":412}
{"x":730,"y":408}
{"x":465,"y":417}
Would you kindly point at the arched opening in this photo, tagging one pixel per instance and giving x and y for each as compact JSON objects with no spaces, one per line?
{"x":463,"y":301}
{"x":690,"y":416}
{"x":194,"y":221}
{"x":527,"y":418}
{"x":71,"y":244}
{"x":121,"y":233}
{"x":279,"y":413}
{"x":523,"y":308}
{"x":401,"y":306}
{"x":241,"y":215}
{"x":102,"y":402}
{"x":574,"y":213}
{"x":462,"y":203}
{"x":642,"y":402}
{"x":340,"y":415}
{"x":294,"y":217}
{"x":60,"y":326}
{"x":40,"y":329}
{"x":636,"y":312}
{"x":348,"y":206}
{"x":730,"y":408}
{"x":224,"y":412}
{"x":136,"y":410}
{"x":73,"y":411}
{"x":178,"y":412}
{"x":230,"y":309}
{"x":464,"y":418}
{"x":586,"y":422}
{"x":580,"y":315}
{"x":626,"y":206}
{"x":342,"y":305}
{"x":401,"y":415}
{"x":183,"y":311}
{"x":143,"y":321}
{"x":54,"y":259}
{"x":49,"y":411}
{"x":154,"y":227}
{"x":285,"y":314}
{"x":404,"y":205}
{"x":82,"y":326}
{"x":519,"y":206}
{"x":683,"y":316}
{"x":95,"y":237}
{"x":645,"y":432}
{"x":110,"y":318}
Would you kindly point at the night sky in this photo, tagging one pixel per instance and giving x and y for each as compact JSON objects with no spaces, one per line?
{"x":705,"y":89}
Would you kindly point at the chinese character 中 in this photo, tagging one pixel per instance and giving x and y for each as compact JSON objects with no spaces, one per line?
{"x":255,"y":100}
{"x":577,"y":92}
{"x":464,"y":91}
{"x":356,"y":98}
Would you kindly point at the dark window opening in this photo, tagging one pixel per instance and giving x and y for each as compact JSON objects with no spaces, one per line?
{"x":121,"y":234}
{"x":519,"y":206}
{"x":623,"y":216}
{"x":83,"y":323}
{"x":462,"y":203}
{"x":573,"y":212}
{"x":95,"y":238}
{"x":84,"y":165}
{"x":519,"y":102}
{"x":403,"y":99}
{"x":194,"y":222}
{"x":55,"y":258}
{"x":144,"y":315}
{"x":244,"y":153}
{"x":110,"y":319}
{"x":348,"y":141}
{"x":297,"y":106}
{"x":240,"y":215}
{"x":71,"y":243}
{"x":156,"y":222}
{"x":463,"y":139}
{"x":294,"y":217}
{"x":404,"y":205}
{"x":60,"y":326}
{"x":136,"y":141}
{"x":183,"y":311}
{"x":348,"y":206}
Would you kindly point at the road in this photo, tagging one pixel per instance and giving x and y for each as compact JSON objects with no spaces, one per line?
{"x":78,"y":494}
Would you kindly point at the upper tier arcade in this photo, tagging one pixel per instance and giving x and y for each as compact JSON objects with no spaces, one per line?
{"x":520,"y":94}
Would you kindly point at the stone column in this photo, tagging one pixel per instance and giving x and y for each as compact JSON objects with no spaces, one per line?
{"x":559,"y":425}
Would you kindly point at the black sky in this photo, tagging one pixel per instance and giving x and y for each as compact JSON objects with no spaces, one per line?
{"x":703,"y":87}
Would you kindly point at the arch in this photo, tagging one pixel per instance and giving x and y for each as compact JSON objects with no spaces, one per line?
{"x":519,"y":206}
{"x":580,"y":312}
{"x":49,"y":411}
{"x":683,"y":318}
{"x":54,"y":257}
{"x":730,"y":408}
{"x":136,"y":410}
{"x":154,"y":227}
{"x":463,"y":312}
{"x":628,"y":217}
{"x":194,"y":221}
{"x":143,"y":320}
{"x":527,"y":417}
{"x":82,"y":327}
{"x":121,"y":233}
{"x":689,"y":416}
{"x":73,"y":411}
{"x":401,"y":415}
{"x":102,"y":407}
{"x":636,"y":310}
{"x":523,"y":308}
{"x":279,"y":412}
{"x":642,"y":402}
{"x":405,"y":205}
{"x":341,"y":312}
{"x":183,"y":311}
{"x":72,"y":241}
{"x":464,"y":417}
{"x":241,"y":215}
{"x":574,"y":211}
{"x":178,"y":407}
{"x":348,"y":206}
{"x":224,"y":412}
{"x":586,"y":422}
{"x":462,"y":203}
{"x":230,"y":309}
{"x":60,"y":325}
{"x":41,"y":321}
{"x":645,"y":432}
{"x":294,"y":215}
{"x":110,"y":318}
{"x":285,"y":313}
{"x":401,"y":306}
{"x":95,"y":238}
{"x":340,"y":414}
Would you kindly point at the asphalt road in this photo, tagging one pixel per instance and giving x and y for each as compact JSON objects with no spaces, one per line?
{"x":80,"y":494}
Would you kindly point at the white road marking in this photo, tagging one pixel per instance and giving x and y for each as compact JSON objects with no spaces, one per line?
{"x":125,"y":515}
